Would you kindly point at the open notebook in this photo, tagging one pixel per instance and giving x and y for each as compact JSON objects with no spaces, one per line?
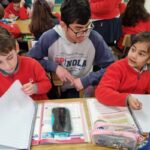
{"x":139,"y":119}
{"x":17,"y":113}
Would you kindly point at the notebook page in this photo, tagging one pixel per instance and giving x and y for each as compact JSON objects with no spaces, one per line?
{"x":17,"y":111}
{"x":118,"y":115}
{"x":142,"y":117}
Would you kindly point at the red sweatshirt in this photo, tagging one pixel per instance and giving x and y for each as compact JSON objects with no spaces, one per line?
{"x":141,"y":26}
{"x":106,"y":9}
{"x":22,"y":13}
{"x":119,"y":81}
{"x":28,"y":69}
{"x":12,"y":28}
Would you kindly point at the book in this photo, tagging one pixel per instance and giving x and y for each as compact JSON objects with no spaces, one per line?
{"x":139,"y":119}
{"x":17,"y":116}
{"x":43,"y":132}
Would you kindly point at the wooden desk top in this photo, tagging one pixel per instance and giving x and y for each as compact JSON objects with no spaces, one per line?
{"x":84,"y":146}
{"x":24,"y":26}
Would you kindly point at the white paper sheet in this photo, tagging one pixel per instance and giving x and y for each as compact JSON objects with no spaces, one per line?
{"x":142,"y":117}
{"x":17,"y":111}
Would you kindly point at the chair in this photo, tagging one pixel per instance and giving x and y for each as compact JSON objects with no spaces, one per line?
{"x":31,"y":43}
{"x":58,"y":83}
{"x":126,"y":43}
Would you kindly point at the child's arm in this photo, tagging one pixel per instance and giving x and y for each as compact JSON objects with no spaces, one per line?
{"x":42,"y":81}
{"x":29,"y":88}
{"x":108,"y":91}
{"x":13,"y":29}
{"x":23,"y":14}
{"x":39,"y":83}
{"x":8,"y":12}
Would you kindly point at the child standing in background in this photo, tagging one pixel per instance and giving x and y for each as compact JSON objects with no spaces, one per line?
{"x":106,"y":18}
{"x":16,"y":9}
{"x":13,"y":67}
{"x":130,"y":75}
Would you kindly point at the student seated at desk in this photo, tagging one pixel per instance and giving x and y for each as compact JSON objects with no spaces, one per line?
{"x":16,"y":9}
{"x":135,"y":19}
{"x":12,"y":28}
{"x":42,"y":18}
{"x":13,"y":67}
{"x":72,"y":48}
{"x":130,"y":75}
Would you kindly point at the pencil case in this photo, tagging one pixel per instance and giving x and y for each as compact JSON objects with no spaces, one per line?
{"x":114,"y":135}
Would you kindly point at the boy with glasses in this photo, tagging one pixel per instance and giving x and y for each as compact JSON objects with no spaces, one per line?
{"x":73,"y":48}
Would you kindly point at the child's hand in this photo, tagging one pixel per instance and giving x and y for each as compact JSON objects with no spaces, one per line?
{"x":134,"y":103}
{"x":29,"y":88}
{"x":78,"y":84}
{"x":64,"y":75}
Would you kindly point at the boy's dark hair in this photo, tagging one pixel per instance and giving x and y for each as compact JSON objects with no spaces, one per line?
{"x":1,"y":12}
{"x":75,"y":11}
{"x":7,"y":43}
{"x":16,"y":1}
{"x":142,"y":37}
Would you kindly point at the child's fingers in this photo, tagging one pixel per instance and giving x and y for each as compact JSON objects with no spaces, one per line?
{"x":137,"y":104}
{"x":27,"y":88}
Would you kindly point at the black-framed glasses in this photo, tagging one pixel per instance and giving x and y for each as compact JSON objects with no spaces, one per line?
{"x":84,"y":32}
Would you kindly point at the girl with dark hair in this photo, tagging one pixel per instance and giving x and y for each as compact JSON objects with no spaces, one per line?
{"x":42,"y":18}
{"x":135,"y":19}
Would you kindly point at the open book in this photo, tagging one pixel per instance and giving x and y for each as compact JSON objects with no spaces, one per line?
{"x":100,"y":112}
{"x":43,"y":132}
{"x":17,"y":113}
{"x":140,"y":119}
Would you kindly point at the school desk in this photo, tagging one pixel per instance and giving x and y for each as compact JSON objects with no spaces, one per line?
{"x":24,"y":26}
{"x":83,"y":146}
